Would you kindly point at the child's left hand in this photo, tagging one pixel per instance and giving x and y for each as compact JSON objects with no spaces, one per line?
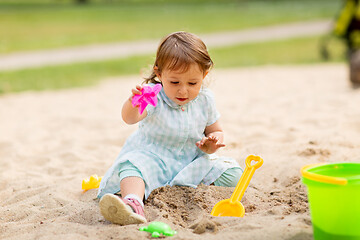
{"x":209,"y":144}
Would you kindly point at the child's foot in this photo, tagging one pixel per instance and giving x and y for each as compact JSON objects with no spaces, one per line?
{"x":121,"y":211}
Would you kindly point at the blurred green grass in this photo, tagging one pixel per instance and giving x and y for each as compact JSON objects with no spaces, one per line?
{"x":284,"y":52}
{"x":45,"y":24}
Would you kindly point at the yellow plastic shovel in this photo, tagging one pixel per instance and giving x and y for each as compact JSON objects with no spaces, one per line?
{"x":232,"y":207}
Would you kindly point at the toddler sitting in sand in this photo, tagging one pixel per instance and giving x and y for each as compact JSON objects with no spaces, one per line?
{"x":176,"y":140}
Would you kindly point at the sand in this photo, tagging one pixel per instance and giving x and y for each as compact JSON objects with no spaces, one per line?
{"x":289,"y":115}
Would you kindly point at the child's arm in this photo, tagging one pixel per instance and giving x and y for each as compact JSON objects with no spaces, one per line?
{"x":215,"y":130}
{"x":213,"y":140}
{"x":129,"y":113}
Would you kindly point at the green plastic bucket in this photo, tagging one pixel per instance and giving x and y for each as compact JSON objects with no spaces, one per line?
{"x":334,"y":200}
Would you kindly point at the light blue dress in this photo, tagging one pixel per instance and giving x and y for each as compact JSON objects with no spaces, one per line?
{"x":163,"y":148}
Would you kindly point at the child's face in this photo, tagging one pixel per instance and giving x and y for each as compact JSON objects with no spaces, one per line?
{"x":182,"y":87}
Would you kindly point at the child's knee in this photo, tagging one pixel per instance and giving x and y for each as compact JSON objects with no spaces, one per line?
{"x":229,"y":178}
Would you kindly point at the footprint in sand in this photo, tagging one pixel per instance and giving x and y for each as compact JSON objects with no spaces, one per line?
{"x":313,"y":151}
{"x":205,"y":225}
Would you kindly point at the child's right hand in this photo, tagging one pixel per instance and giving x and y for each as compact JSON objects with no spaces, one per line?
{"x":135,"y":91}
{"x":130,"y":113}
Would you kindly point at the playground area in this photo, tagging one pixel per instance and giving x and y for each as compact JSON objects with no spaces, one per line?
{"x":289,"y":115}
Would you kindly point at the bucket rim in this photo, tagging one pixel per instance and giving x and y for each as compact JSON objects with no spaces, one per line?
{"x":323,"y":178}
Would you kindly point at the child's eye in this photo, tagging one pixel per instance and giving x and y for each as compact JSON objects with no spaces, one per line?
{"x":192,"y":83}
{"x":174,"y":82}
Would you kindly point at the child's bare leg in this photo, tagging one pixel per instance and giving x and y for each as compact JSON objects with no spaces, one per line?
{"x":132,"y":185}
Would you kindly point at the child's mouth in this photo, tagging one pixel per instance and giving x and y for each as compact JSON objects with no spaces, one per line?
{"x":181,"y":99}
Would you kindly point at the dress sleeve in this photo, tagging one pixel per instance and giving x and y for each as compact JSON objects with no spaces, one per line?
{"x":150,"y":110}
{"x":213,"y":114}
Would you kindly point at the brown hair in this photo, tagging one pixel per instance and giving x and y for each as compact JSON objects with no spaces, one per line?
{"x":178,"y":51}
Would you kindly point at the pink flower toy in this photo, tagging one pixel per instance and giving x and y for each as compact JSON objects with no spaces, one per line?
{"x":148,"y":96}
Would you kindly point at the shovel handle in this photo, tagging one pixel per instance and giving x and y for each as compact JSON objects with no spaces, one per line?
{"x":246,"y":177}
{"x":257,"y":159}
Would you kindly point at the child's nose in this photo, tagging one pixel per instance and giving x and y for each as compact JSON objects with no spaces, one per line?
{"x":182,"y":90}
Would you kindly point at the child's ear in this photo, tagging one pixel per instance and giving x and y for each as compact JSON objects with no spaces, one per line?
{"x":157,"y":72}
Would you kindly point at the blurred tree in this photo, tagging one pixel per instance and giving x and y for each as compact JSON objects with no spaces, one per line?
{"x":81,"y":1}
